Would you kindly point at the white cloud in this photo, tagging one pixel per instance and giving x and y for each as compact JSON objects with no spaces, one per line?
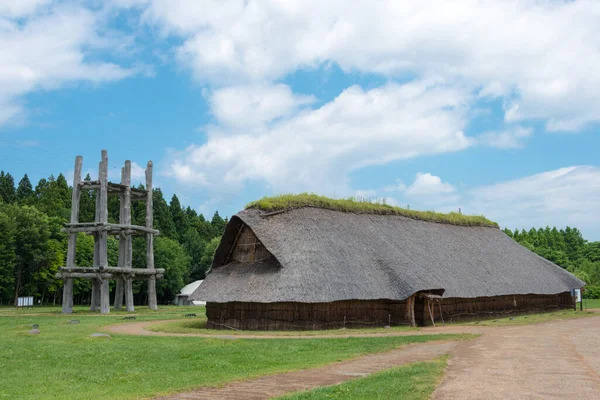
{"x":47,"y":46}
{"x":512,"y":138}
{"x":316,"y":149}
{"x":399,"y":186}
{"x":566,"y":196}
{"x":541,"y":56}
{"x":20,"y":8}
{"x":426,"y":184}
{"x":563,"y":197}
{"x":251,"y":105}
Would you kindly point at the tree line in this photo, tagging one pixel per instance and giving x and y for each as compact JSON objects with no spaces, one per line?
{"x":33,"y":248}
{"x":568,"y":249}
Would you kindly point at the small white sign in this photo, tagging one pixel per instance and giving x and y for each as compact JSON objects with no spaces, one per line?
{"x":577,"y":295}
{"x":25,"y":301}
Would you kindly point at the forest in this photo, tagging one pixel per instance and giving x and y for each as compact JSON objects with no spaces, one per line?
{"x":567,"y":248}
{"x":33,"y":248}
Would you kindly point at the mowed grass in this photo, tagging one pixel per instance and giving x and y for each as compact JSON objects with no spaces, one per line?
{"x":64,"y":362}
{"x":591,"y":303}
{"x":534,"y":318}
{"x":198,"y":325}
{"x":410,"y":382}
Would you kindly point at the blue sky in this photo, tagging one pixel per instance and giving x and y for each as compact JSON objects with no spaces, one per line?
{"x":490,"y":107}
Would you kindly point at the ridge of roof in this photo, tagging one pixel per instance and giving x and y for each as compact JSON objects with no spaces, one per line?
{"x":287,"y":202}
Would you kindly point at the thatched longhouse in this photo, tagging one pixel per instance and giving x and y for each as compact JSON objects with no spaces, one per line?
{"x":320,"y":268}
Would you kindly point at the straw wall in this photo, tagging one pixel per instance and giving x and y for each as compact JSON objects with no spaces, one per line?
{"x":466,"y":309}
{"x":375,"y":313}
{"x":305,"y":316}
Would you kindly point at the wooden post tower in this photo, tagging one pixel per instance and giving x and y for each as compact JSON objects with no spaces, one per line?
{"x":101,"y":273}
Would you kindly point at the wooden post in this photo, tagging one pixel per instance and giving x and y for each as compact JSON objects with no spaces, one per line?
{"x":67,"y":303}
{"x":129,"y":294}
{"x":152,"y":302}
{"x":118,"y":293}
{"x":95,"y":306}
{"x":104,"y":297}
{"x":411,"y":310}
{"x":103,"y":235}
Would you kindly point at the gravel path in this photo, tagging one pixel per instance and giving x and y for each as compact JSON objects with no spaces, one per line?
{"x":555,"y":360}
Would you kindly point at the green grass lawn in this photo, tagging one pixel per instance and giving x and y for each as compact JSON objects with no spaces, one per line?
{"x":591,"y":303}
{"x":64,"y":362}
{"x":533,"y":318}
{"x":410,"y":382}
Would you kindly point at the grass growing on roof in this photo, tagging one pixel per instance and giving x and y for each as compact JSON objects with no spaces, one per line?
{"x":351,"y":205}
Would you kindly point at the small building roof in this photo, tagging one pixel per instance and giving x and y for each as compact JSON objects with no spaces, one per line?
{"x":190,"y":288}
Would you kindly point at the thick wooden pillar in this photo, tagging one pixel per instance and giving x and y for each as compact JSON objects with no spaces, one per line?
{"x":152,"y":301}
{"x":104,"y":297}
{"x":103,"y":235}
{"x":118,"y":293}
{"x":129,"y":294}
{"x":95,"y":306}
{"x":410,"y":310}
{"x":67,"y":303}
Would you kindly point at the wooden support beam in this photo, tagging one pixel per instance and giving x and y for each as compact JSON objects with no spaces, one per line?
{"x":129,"y":307}
{"x":152,"y":301}
{"x":104,"y":297}
{"x":95,"y":306}
{"x":84,"y":275}
{"x":119,"y":293}
{"x":96,"y":275}
{"x":67,"y":303}
{"x":115,"y":270}
{"x":103,"y":214}
{"x":136,"y":194}
{"x":114,"y":229}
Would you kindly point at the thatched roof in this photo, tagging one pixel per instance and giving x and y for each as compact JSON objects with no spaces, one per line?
{"x":323,"y":255}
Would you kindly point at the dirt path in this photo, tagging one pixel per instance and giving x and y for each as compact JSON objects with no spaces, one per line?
{"x":280,"y":384}
{"x":555,"y":360}
{"x":141,"y":329}
{"x":552,"y":360}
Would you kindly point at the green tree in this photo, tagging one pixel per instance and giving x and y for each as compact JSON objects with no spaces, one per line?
{"x":162,"y":216}
{"x":209,"y":255}
{"x":179,"y":217}
{"x":171,"y":256}
{"x":218,"y":224}
{"x":194,"y":247}
{"x":7,"y":256}
{"x":24,"y":194}
{"x":7,"y":188}
{"x":31,"y":241}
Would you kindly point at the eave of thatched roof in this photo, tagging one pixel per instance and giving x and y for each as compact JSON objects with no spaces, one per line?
{"x":323,"y":255}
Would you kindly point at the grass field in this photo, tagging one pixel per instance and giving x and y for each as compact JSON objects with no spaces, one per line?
{"x":533,"y":318}
{"x":591,"y":303}
{"x":410,"y":382}
{"x":64,"y":362}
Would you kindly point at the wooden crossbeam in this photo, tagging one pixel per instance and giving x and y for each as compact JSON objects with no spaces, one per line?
{"x":92,"y":227}
{"x":136,"y":194}
{"x":136,"y":271}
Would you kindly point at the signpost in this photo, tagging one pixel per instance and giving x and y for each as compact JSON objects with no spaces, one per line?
{"x":25,"y":301}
